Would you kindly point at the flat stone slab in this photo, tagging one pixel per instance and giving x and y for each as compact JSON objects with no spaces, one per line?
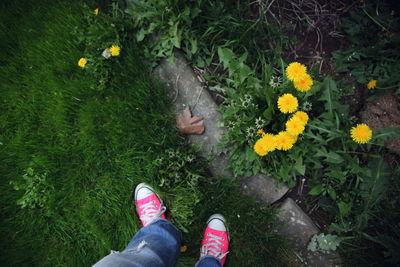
{"x":184,"y":88}
{"x":264,"y":188}
{"x":299,"y":228}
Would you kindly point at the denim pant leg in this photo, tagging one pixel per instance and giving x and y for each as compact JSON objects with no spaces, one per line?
{"x":154,"y":245}
{"x":208,"y":261}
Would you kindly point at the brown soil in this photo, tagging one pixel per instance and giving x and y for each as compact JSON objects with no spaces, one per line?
{"x":314,"y":23}
{"x":384,"y":112}
{"x":309,"y":204}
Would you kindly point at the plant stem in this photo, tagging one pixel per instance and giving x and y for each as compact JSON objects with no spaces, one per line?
{"x":387,"y":87}
{"x":374,"y":20}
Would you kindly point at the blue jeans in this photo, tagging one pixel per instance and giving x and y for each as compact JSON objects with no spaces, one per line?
{"x":156,"y":245}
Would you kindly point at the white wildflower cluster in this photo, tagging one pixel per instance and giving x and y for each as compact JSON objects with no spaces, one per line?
{"x":246,"y":101}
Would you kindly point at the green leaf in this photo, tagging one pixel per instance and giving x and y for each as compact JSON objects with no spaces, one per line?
{"x":299,"y":166}
{"x":193,"y":43}
{"x":386,"y":133}
{"x":333,"y":157}
{"x":244,"y":72}
{"x":250,"y":155}
{"x":225,"y":56}
{"x":243,"y":57}
{"x":316,"y":190}
{"x":329,"y":87}
{"x":332,"y":192}
{"x":175,"y":34}
{"x":140,"y":35}
{"x":344,"y":208}
{"x":376,"y":183}
{"x":268,"y":113}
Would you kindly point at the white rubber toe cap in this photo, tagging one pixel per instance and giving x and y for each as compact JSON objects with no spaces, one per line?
{"x":142,"y":191}
{"x":217,"y":222}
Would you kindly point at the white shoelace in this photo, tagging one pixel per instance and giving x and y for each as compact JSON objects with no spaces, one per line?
{"x":213,"y":247}
{"x":150,"y":212}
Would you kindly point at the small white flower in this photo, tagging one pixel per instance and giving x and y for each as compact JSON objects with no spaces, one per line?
{"x":275,"y":81}
{"x":248,"y":97}
{"x":245,"y":104}
{"x":307,"y":106}
{"x":259,"y":123}
{"x":231,"y":125}
{"x":190,"y":158}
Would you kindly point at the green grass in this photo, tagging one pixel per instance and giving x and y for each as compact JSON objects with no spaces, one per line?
{"x":93,"y":147}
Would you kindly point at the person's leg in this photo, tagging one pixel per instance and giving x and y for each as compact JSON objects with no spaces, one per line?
{"x":215,"y":244}
{"x":208,"y":261}
{"x":156,"y":244}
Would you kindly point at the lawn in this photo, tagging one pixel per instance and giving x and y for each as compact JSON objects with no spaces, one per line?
{"x":74,"y":142}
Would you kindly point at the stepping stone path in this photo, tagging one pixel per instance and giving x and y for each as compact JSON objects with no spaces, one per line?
{"x":184,"y":89}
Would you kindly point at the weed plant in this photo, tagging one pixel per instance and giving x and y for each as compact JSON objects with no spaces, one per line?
{"x":200,"y":27}
{"x":76,"y":141}
{"x":373,"y":32}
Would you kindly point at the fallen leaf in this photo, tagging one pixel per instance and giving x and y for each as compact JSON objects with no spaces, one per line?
{"x":188,"y":124}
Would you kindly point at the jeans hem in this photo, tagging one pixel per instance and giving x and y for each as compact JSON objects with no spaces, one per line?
{"x":208,"y":256}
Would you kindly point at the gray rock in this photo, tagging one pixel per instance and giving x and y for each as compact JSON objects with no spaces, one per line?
{"x":185,"y":89}
{"x":264,"y":188}
{"x":299,"y":228}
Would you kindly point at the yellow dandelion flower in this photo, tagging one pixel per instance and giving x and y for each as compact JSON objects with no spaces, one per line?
{"x":265,"y":144}
{"x":304,"y":84}
{"x":287,"y":103}
{"x":371,"y":84}
{"x":295,"y":71}
{"x":82,"y":62}
{"x":268,"y":141}
{"x":302,"y":116}
{"x":260,"y":132}
{"x":183,"y":248}
{"x":114,"y":50}
{"x":259,"y":148}
{"x":295,"y":126}
{"x":285,"y":141}
{"x":361,"y":133}
{"x":96,"y":11}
